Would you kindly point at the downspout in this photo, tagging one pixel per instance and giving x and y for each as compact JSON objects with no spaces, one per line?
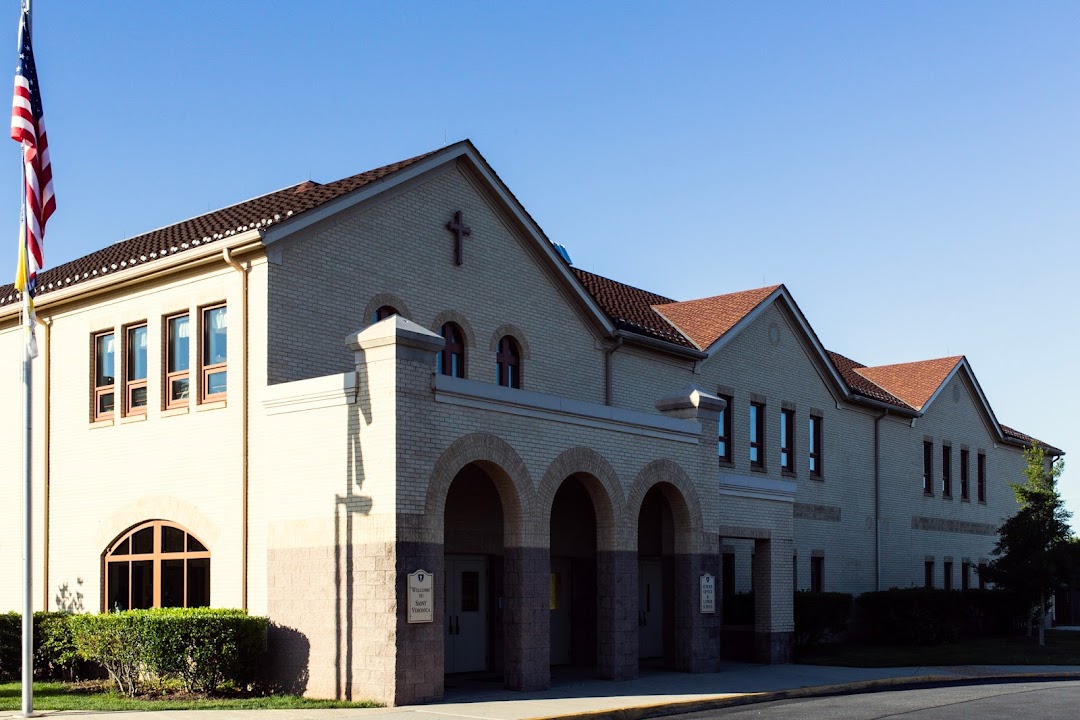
{"x":877,"y":500}
{"x":243,"y":270}
{"x":45,"y":461}
{"x":608,"y":369}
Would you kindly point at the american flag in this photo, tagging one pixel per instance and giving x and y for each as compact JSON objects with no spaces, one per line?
{"x":28,"y":128}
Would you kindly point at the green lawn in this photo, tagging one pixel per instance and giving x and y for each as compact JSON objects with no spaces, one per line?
{"x":1062,"y":648}
{"x":61,"y":696}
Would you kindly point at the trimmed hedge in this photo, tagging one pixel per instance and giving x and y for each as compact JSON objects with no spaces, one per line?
{"x":202,"y":648}
{"x":55,"y":657}
{"x":929,"y":616}
{"x":820,"y":616}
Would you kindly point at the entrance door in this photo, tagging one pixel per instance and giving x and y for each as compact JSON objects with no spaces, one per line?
{"x":559,"y":602}
{"x":466,"y":614}
{"x":650,"y":609}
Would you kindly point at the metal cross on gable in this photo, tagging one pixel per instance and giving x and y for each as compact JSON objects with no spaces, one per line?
{"x":460,"y":231}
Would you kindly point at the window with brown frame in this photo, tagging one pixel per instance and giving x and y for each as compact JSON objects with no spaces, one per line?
{"x":214,"y":360}
{"x":156,"y":564}
{"x":946,"y":568}
{"x":817,"y":574}
{"x":724,"y":441}
{"x":104,"y":349}
{"x":965,"y":575}
{"x":965,"y":485}
{"x":816,"y":455}
{"x":981,"y":477}
{"x":981,"y":572}
{"x":757,"y":435}
{"x":927,"y":467}
{"x":787,"y":440}
{"x":946,"y":471}
{"x":177,"y":360}
{"x":928,"y":573}
{"x":451,"y":361}
{"x":508,"y":363}
{"x":383,"y":312}
{"x":135,"y":370}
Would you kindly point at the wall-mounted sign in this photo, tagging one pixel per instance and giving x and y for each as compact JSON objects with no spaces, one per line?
{"x":421,"y":598}
{"x":708,"y":594}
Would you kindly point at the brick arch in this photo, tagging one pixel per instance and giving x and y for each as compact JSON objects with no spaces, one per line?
{"x":506,"y":470}
{"x":513,"y":331}
{"x":455,"y":317}
{"x":157,"y":508}
{"x":681,"y":495}
{"x":600,"y":481}
{"x":386,"y":298}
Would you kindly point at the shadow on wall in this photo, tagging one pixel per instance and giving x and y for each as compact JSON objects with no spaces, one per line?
{"x":347,"y":507}
{"x":68,"y":600}
{"x":290,"y":650}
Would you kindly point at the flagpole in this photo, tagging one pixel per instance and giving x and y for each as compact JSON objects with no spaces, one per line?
{"x":28,"y":546}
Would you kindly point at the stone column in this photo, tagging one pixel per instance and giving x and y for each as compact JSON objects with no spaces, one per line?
{"x":527,"y":619}
{"x":395,"y":360}
{"x":697,"y":635}
{"x":617,"y":631}
{"x":774,"y":622}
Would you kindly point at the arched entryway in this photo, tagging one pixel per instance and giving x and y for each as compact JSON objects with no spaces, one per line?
{"x":663,"y":579}
{"x":572,"y":588}
{"x":473,"y":573}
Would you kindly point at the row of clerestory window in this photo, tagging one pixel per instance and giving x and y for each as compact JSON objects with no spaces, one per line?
{"x":756,"y":432}
{"x":451,"y":360}
{"x":211,"y":359}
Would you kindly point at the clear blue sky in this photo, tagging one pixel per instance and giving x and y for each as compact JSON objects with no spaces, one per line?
{"x":911,"y":170}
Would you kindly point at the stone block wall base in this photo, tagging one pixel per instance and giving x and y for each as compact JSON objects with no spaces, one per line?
{"x":773,"y":648}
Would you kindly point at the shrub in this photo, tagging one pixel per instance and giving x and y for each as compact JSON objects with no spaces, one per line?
{"x":202,"y":648}
{"x":117,"y":642}
{"x":54,"y":652}
{"x":927,"y":616}
{"x":205,"y":648}
{"x":820,"y":616}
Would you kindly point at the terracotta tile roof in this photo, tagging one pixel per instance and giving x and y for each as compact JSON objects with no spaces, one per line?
{"x":912,"y":382}
{"x":706,"y":320}
{"x":859,"y":384}
{"x":1017,"y":435}
{"x":258,"y":212}
{"x":631,"y":308}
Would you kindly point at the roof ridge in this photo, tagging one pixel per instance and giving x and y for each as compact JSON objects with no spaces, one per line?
{"x":770,"y":288}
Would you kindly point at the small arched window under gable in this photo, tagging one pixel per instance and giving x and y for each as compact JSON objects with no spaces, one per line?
{"x":383,"y":312}
{"x":508,"y":362}
{"x":451,"y":361}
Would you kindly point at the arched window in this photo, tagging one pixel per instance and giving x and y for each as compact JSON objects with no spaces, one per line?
{"x":383,"y":312}
{"x":508,"y":362}
{"x":156,"y":564}
{"x":452,"y":358}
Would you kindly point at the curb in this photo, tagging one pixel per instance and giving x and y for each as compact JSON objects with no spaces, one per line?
{"x":639,"y":712}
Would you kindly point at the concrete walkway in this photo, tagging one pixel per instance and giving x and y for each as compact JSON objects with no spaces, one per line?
{"x":652,"y":694}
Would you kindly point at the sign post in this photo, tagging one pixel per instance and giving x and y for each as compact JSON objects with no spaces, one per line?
{"x":708,"y":594}
{"x":421,"y":597}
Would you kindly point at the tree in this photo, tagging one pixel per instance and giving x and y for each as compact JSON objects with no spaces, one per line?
{"x":1032,"y":555}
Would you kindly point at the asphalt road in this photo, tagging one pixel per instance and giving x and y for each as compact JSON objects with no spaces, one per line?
{"x":1004,"y":701}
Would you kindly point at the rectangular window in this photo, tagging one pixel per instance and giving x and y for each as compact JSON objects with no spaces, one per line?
{"x":982,"y":576}
{"x":177,"y":360}
{"x":928,"y":468}
{"x":787,"y":440}
{"x":757,"y":435}
{"x":104,"y":375}
{"x":981,"y":477}
{"x":965,"y":486}
{"x":817,"y":574}
{"x":946,"y":471}
{"x":135,"y":370}
{"x":214,"y":353}
{"x":965,"y":575}
{"x":816,"y":455}
{"x":724,"y":448}
{"x":928,"y":573}
{"x":947,"y":569}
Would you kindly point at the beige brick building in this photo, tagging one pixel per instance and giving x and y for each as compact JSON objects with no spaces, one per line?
{"x":311,"y":403}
